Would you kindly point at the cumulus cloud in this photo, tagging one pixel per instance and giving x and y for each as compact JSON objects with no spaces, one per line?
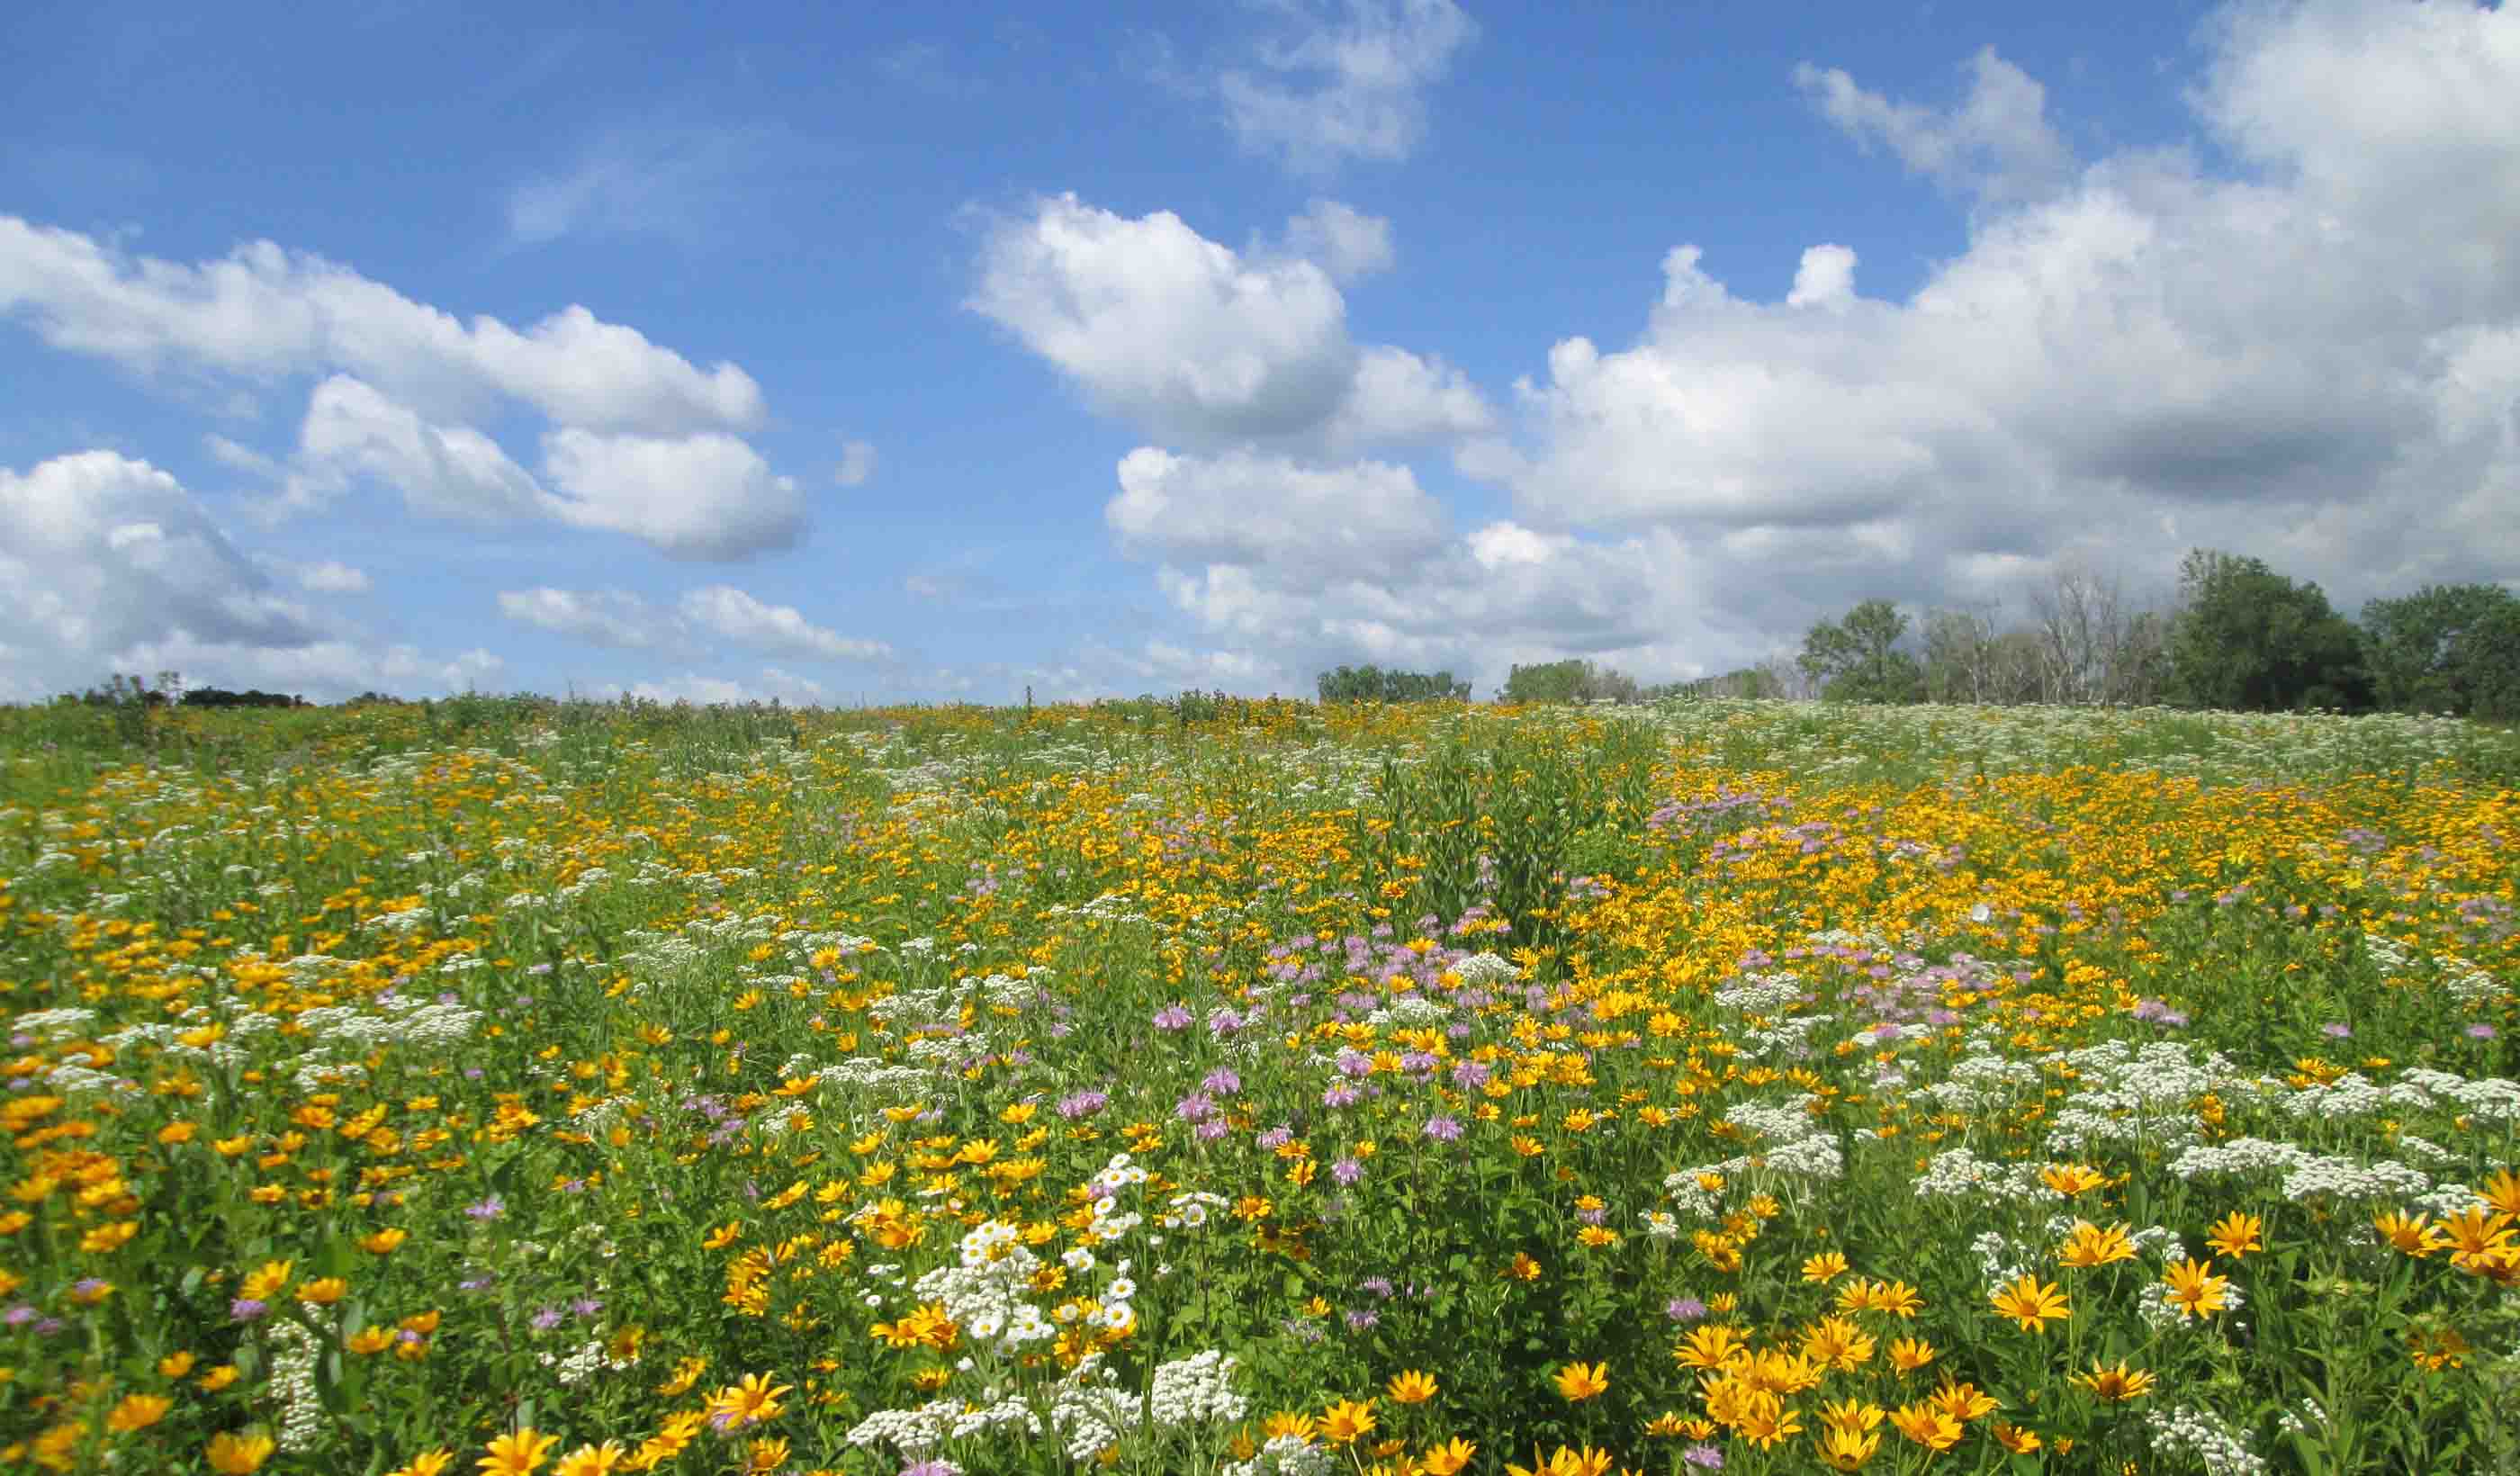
{"x":1317,"y":523}
{"x":1997,"y":145}
{"x":615,"y":618}
{"x":1344,"y":87}
{"x":769,"y":684}
{"x":264,"y":313}
{"x":2316,"y":364}
{"x":351,"y":430}
{"x":724,"y":610}
{"x":114,"y":566}
{"x":709,"y":496}
{"x":625,"y":621}
{"x":1201,"y":345}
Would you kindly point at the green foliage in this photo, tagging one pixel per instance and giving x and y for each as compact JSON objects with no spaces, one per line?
{"x":2448,"y":647}
{"x":1573,"y":680}
{"x":2248,"y":639}
{"x":1858,"y":659}
{"x":1372,"y":684}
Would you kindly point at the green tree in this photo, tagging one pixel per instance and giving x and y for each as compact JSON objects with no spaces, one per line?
{"x":2441,"y":648}
{"x":1858,"y":659}
{"x":1573,"y":680}
{"x":1372,"y":684}
{"x":2248,"y":639}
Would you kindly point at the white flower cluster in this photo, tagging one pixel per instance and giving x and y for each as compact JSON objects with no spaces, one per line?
{"x":428,"y":1027}
{"x":49,"y":1025}
{"x":1798,"y":1145}
{"x":1958,"y":1174}
{"x":581,"y":1365}
{"x":2154,"y":1304}
{"x":2001,"y":1259}
{"x":1284,"y":1456}
{"x":1761,"y":994}
{"x":1486,"y":968}
{"x":1196,"y":1389}
{"x":983,"y":1293}
{"x":1411,"y":1011}
{"x":2306,"y":1173}
{"x":1190,"y":1210}
{"x":2493,"y":1099}
{"x":2350,"y":1095}
{"x":293,"y":1379}
{"x":70,"y":1080}
{"x":1787,"y":1039}
{"x":2197,"y":1436}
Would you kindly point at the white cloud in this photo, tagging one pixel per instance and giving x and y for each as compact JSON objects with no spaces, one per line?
{"x":1317,"y":523}
{"x":114,"y":566}
{"x":102,"y":552}
{"x":330,"y":577}
{"x":1202,"y":346}
{"x":264,"y":313}
{"x":1346,"y":242}
{"x":1997,"y":145}
{"x":709,"y":496}
{"x":857,"y":463}
{"x":1346,"y":87}
{"x":448,"y":471}
{"x":729,"y":611}
{"x":602,"y":618}
{"x":1825,"y":279}
{"x":2315,"y":366}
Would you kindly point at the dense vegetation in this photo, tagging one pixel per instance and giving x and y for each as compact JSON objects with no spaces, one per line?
{"x":1256,"y":1087}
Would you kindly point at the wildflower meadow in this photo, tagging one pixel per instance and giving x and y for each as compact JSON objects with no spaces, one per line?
{"x":1257,"y":1087}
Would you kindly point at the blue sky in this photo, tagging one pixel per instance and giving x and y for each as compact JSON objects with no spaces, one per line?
{"x":839,"y":356}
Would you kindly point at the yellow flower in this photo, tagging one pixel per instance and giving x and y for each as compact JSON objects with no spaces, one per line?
{"x":325,"y":1291}
{"x":138,"y":1412}
{"x":1523,"y":1269}
{"x":1825,"y":1267}
{"x":592,"y":1461}
{"x":368,"y":1342}
{"x":2195,"y":1291}
{"x":2417,"y":1237}
{"x":107,"y":1238}
{"x":766,"y":1454}
{"x":1927,"y":1424}
{"x":1845,"y":1450}
{"x":2236,"y":1234}
{"x":2088,"y":1245}
{"x":1411,"y":1387}
{"x":238,"y":1455}
{"x":2031,"y":1303}
{"x":1345,"y":1422}
{"x":175,"y":1364}
{"x":425,"y":1464}
{"x":1964,"y":1402}
{"x":750,"y":1401}
{"x":2116,"y":1385}
{"x":383,"y":1241}
{"x":1713,"y":1346}
{"x":2013,"y":1438}
{"x":518,"y":1455}
{"x":219,"y":1378}
{"x":1577,"y":1383}
{"x":1449,"y":1459}
{"x":2071,"y":1179}
{"x":265,"y":1280}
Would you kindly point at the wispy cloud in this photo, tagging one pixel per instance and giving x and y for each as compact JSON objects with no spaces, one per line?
{"x":678,"y":180}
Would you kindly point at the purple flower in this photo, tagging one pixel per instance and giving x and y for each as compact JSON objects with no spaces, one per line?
{"x":1082,"y":1104}
{"x":1443,"y":1129}
{"x":488,"y":1209}
{"x":547,"y":1319}
{"x":19,"y":1316}
{"x":1347,"y":1171}
{"x":932,"y":1468}
{"x":1362,"y":1319}
{"x":586,"y":1307}
{"x":1339,"y":1094}
{"x":2480,"y":1031}
{"x":477,"y":1283}
{"x":1212,"y":1129}
{"x":1195,"y":1107}
{"x":1703,"y":1454}
{"x":1683,"y":1309}
{"x":1277,"y":1138}
{"x":1223,"y":1081}
{"x":1380,"y":1286}
{"x":2337,"y":1030}
{"x":248,"y":1309}
{"x":1469,"y":1074}
{"x":1173,"y":1017}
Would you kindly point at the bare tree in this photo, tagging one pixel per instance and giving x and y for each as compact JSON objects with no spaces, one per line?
{"x":1961,"y":657}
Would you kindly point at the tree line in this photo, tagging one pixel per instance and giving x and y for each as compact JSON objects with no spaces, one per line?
{"x":2237,"y":637}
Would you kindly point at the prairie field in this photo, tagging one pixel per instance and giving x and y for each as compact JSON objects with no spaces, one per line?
{"x":1225,"y":1087}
